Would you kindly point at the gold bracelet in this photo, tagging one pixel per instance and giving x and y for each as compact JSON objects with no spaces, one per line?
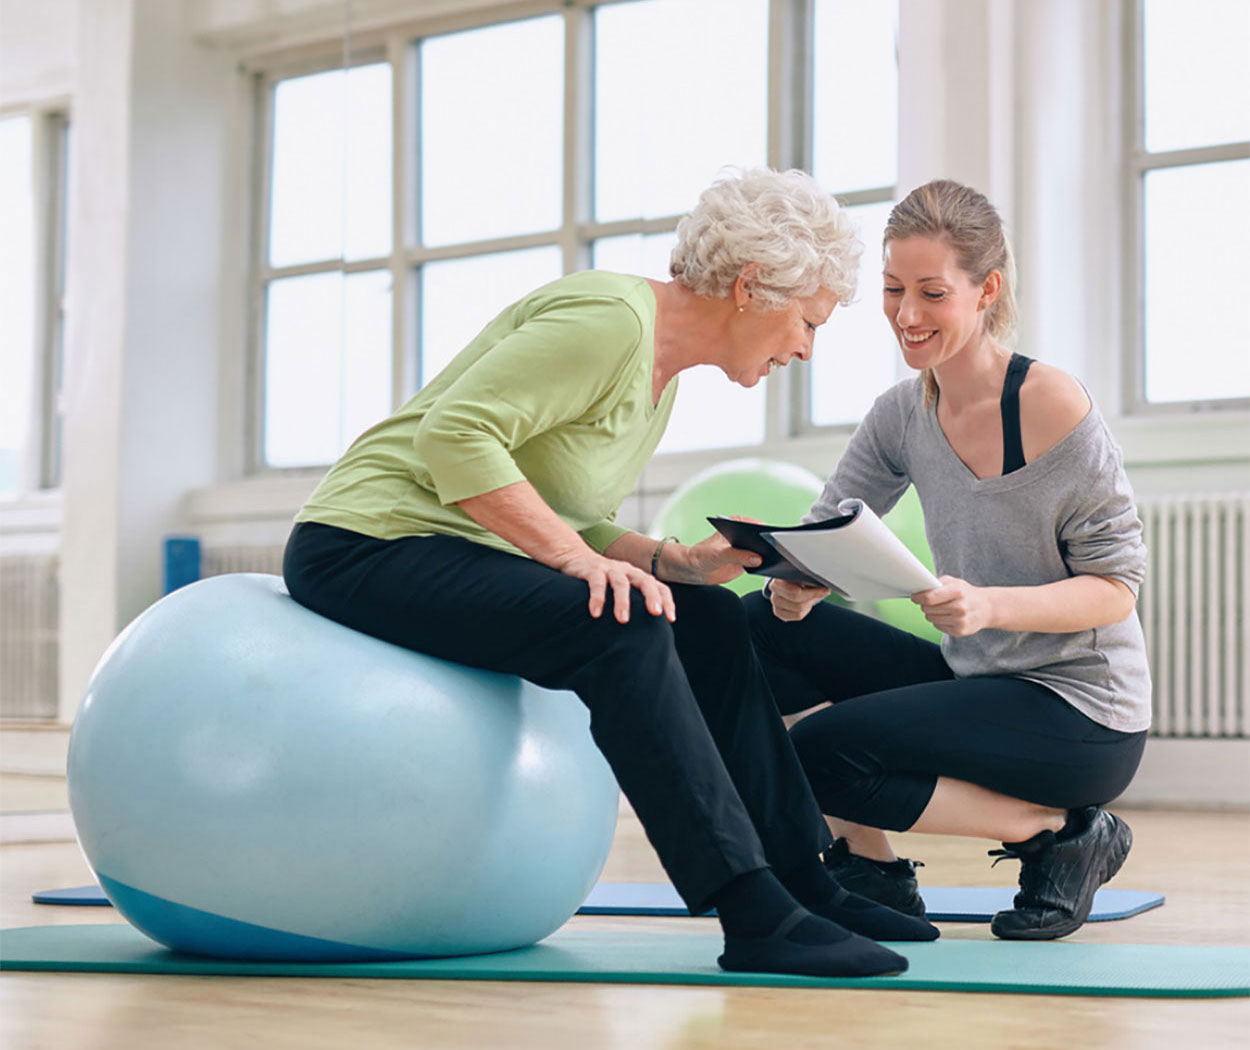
{"x":655,"y":554}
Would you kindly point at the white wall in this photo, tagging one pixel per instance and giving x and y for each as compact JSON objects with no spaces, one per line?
{"x":37,"y":50}
{"x":151,"y":109}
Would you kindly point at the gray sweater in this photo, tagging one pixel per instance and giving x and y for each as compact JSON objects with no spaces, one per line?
{"x":1067,"y":512}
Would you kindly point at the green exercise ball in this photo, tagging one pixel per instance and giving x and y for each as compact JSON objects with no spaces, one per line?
{"x":906,"y":519}
{"x":772,"y":491}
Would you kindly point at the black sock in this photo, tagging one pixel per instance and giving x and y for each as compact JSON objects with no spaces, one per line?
{"x":753,"y":905}
{"x":817,"y":890}
{"x":768,"y":931}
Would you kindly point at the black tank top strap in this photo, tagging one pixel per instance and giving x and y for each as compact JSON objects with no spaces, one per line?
{"x":1013,"y":447}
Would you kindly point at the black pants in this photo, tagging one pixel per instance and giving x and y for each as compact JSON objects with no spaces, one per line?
{"x":681,"y":711}
{"x":900,"y":719}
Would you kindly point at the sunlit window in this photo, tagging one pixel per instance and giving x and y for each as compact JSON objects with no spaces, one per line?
{"x":1194,"y":183}
{"x":855,"y":154}
{"x":17,"y":302}
{"x":327,"y":372}
{"x":492,"y":131}
{"x":331,"y":183}
{"x":855,"y":356}
{"x":706,"y":60}
{"x":328,"y":363}
{"x":414,"y":195}
{"x":34,"y":209}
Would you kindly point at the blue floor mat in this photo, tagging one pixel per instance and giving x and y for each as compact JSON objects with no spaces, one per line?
{"x":942,"y":903}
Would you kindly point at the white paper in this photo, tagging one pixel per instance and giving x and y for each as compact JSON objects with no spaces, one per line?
{"x":862,"y":559}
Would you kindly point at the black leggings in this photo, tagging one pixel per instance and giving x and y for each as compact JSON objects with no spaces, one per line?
{"x":900,"y":719}
{"x":681,"y":711}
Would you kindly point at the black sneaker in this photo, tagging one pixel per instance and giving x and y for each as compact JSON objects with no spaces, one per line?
{"x":892,"y":883}
{"x":1059,"y":875}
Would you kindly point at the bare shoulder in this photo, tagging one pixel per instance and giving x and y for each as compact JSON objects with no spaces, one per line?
{"x":1052,"y":403}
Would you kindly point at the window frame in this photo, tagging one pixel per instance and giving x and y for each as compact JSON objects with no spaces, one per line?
{"x":789,"y":144}
{"x":1139,"y":163}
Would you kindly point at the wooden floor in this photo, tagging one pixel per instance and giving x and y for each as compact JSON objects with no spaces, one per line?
{"x":1200,"y":861}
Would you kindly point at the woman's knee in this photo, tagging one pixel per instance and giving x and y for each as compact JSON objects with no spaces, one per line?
{"x":712,"y":611}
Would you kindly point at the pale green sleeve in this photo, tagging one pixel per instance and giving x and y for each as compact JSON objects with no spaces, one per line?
{"x":564,"y":364}
{"x":602,"y":534}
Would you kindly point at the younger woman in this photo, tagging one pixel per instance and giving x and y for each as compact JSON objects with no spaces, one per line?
{"x":1033,"y":711}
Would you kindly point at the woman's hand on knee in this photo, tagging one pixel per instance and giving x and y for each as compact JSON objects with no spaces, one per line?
{"x":793,"y":601}
{"x":620,"y":577}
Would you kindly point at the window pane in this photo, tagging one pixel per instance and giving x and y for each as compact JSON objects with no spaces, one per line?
{"x":712,"y":412}
{"x":855,"y":94}
{"x":644,"y":254}
{"x":856,"y":356}
{"x":1197,"y":229}
{"x":1197,"y":84}
{"x":704,"y":59}
{"x":17,"y":284}
{"x":327,"y":364}
{"x":492,"y":131}
{"x":459,"y":297}
{"x":331,"y":191}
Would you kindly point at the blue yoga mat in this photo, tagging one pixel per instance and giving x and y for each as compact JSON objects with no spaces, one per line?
{"x":942,"y":903}
{"x":688,"y":957}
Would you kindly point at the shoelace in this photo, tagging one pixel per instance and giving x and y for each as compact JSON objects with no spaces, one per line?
{"x":1032,"y":879}
{"x":1004,"y":854}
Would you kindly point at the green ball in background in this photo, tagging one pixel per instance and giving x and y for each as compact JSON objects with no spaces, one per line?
{"x":768,"y":489}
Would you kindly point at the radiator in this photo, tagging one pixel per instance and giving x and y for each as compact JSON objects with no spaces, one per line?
{"x":29,"y":592}
{"x":216,"y":561}
{"x":1193,"y":612}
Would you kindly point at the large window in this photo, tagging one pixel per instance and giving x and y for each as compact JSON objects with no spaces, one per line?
{"x":413,"y":195}
{"x":1191,"y":199}
{"x":33,"y":164}
{"x":855,"y":154}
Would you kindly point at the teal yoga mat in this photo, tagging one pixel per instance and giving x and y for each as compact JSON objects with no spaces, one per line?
{"x":663,"y":957}
{"x":942,"y":903}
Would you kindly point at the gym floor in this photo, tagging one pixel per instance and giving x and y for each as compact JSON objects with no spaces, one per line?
{"x":1201,"y":861}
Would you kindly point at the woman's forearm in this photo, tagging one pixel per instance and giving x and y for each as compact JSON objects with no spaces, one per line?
{"x":674,"y":562}
{"x":1080,"y":603}
{"x":518,"y":514}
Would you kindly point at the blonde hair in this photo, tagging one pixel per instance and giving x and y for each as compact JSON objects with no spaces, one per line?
{"x":970,"y":224}
{"x":780,"y":220}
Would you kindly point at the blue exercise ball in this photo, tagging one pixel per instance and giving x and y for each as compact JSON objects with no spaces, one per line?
{"x":251,"y":780}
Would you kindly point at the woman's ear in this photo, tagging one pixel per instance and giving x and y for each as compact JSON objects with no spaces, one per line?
{"x":744,"y":283}
{"x":990,"y":288}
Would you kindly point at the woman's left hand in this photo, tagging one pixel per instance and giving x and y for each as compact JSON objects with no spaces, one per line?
{"x":713,"y":560}
{"x":956,"y":607}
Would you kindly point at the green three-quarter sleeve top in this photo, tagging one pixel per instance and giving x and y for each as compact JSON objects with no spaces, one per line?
{"x":556,"y":391}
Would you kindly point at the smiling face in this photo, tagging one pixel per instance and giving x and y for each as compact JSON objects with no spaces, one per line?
{"x":935,"y":307}
{"x":763,"y":339}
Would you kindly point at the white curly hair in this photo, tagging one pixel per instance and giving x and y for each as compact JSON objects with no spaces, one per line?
{"x":783,"y":222}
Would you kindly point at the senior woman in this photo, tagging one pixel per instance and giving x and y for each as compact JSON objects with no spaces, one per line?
{"x":476,"y":525}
